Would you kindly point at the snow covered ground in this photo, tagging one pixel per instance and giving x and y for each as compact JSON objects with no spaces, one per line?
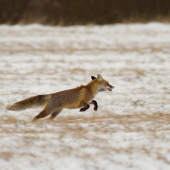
{"x":130,"y":130}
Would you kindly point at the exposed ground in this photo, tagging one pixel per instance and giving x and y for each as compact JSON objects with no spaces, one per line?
{"x":130,"y":130}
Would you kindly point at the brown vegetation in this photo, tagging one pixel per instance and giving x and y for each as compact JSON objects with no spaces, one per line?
{"x":73,"y":125}
{"x":71,"y":12}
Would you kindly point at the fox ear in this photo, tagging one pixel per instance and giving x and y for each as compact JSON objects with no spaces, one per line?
{"x":99,"y":77}
{"x":92,"y":77}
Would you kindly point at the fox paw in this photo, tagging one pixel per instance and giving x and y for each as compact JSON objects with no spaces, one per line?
{"x":82,"y":109}
{"x":95,"y":108}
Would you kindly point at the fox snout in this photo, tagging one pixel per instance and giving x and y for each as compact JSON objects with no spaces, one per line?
{"x":110,"y":87}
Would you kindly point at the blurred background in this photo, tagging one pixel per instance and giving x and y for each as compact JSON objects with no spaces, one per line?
{"x":75,"y":12}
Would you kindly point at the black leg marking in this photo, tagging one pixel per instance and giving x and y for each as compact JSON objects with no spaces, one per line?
{"x":95,"y":104}
{"x":84,"y":108}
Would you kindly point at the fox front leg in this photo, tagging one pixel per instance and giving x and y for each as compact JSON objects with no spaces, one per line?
{"x":86,"y":106}
{"x":95,"y":104}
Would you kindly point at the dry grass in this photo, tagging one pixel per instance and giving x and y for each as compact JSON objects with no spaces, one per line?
{"x":69,"y":49}
{"x":98,"y":123}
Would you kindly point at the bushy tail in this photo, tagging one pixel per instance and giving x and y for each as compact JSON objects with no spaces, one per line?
{"x":34,"y":101}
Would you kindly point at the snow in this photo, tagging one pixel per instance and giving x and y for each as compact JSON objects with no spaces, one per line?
{"x":131,"y":128}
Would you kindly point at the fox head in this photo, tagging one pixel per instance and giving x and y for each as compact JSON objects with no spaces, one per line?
{"x":103,"y":84}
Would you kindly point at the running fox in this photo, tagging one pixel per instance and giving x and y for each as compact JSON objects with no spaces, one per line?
{"x":79,"y":97}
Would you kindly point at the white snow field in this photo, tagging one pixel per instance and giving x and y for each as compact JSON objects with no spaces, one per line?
{"x":130,"y":130}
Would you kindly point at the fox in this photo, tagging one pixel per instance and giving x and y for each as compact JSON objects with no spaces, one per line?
{"x":79,"y":97}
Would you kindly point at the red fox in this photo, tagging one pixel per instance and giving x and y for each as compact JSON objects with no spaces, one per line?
{"x":79,"y":97}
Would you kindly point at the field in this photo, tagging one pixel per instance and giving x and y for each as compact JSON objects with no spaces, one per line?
{"x":130,"y":130}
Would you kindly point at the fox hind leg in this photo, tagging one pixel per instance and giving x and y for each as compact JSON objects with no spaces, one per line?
{"x":54,"y":114}
{"x":42,"y":114}
{"x":47,"y":110}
